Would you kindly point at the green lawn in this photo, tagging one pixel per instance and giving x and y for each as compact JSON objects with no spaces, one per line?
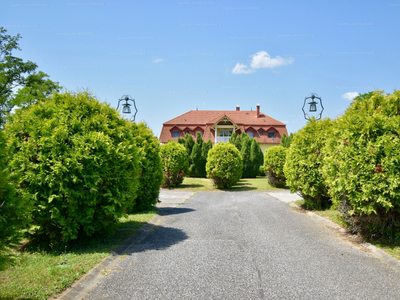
{"x":40,"y":274}
{"x":205,"y":184}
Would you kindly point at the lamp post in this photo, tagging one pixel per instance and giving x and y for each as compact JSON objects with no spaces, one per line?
{"x":313,"y":109}
{"x":126,"y":107}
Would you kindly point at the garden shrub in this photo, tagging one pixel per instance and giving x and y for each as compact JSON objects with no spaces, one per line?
{"x":197,"y":160}
{"x":14,"y":211}
{"x":224,"y":165}
{"x":150,"y":164}
{"x":362,"y":164}
{"x":304,"y":161}
{"x":75,"y":159}
{"x":207,"y":146}
{"x":274,"y":160}
{"x":175,"y":163}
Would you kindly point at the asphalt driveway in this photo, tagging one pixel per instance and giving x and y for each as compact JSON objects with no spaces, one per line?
{"x":245,"y":245}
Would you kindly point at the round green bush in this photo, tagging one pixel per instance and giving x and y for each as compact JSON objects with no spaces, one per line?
{"x":362,"y":164}
{"x":75,"y":159}
{"x":224,"y":165}
{"x":150,"y":164}
{"x":274,"y":160}
{"x":175,"y":163}
{"x":304,"y":160}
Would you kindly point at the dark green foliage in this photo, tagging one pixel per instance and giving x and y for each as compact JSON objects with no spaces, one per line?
{"x":245,"y":153}
{"x":224,"y":165}
{"x":286,"y":140}
{"x":181,"y":141}
{"x":75,"y":160}
{"x":14,"y":212}
{"x":198,"y":166}
{"x":198,"y":157}
{"x":236,"y":140}
{"x":189,"y":143}
{"x":206,"y":147}
{"x":274,"y":160}
{"x":362,"y":164}
{"x":175,"y":163}
{"x":304,"y":161}
{"x":150,"y":164}
{"x":256,"y":158}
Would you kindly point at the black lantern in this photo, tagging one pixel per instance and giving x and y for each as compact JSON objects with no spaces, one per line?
{"x":313,"y":107}
{"x":126,"y":107}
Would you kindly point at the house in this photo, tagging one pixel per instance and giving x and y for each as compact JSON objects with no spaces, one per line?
{"x":219,"y":126}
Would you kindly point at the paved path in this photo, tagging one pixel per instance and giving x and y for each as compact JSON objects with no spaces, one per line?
{"x":235,"y":245}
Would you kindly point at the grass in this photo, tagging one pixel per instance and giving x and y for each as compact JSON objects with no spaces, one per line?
{"x":205,"y":184}
{"x":393,"y":248}
{"x":41,"y":274}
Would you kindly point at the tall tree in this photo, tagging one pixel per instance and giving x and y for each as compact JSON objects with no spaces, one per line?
{"x":15,"y":73}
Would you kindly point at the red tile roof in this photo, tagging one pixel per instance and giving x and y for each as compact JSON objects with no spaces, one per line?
{"x":205,"y":119}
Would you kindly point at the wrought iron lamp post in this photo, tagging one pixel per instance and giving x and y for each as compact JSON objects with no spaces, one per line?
{"x":315,"y":100}
{"x":126,"y":107}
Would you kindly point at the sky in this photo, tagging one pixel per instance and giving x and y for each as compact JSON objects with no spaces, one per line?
{"x":177,"y":56}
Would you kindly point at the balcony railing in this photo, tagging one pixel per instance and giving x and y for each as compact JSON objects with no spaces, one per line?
{"x":222,"y":139}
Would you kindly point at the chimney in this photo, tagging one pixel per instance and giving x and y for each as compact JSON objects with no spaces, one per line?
{"x":237,"y":108}
{"x":258,"y":110}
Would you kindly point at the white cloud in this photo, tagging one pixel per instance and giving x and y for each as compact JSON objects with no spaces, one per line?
{"x":350,"y":95}
{"x":241,"y":69}
{"x":263,"y":60}
{"x":157,"y":60}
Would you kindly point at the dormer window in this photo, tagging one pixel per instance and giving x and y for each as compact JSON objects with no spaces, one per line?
{"x":271,"y":134}
{"x":175,"y":133}
{"x":250,"y":134}
{"x":260,"y":132}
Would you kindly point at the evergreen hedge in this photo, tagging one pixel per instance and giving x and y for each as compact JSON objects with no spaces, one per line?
{"x":75,"y":160}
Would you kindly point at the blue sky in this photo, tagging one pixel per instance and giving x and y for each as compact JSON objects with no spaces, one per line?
{"x":175,"y":56}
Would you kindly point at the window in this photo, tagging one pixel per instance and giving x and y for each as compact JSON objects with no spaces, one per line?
{"x":250,"y":134}
{"x":187,"y":131}
{"x":175,"y":133}
{"x":261,"y":132}
{"x":271,"y":134}
{"x":201,"y":134}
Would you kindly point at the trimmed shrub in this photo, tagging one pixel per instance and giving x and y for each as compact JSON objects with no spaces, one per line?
{"x":224,"y":165}
{"x":14,"y":212}
{"x":189,"y":143}
{"x":362,"y":164}
{"x":175,"y":163}
{"x":274,"y":160}
{"x":150,"y":164}
{"x":304,"y":160}
{"x":75,"y":159}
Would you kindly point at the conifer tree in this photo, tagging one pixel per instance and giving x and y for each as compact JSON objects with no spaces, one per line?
{"x":189,"y":143}
{"x":206,"y":147}
{"x":198,"y":166}
{"x":245,"y":152}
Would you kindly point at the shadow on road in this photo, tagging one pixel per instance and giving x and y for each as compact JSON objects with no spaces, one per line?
{"x":174,"y":210}
{"x":161,"y":238}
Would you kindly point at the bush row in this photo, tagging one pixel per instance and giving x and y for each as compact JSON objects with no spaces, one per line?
{"x":354,"y":162}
